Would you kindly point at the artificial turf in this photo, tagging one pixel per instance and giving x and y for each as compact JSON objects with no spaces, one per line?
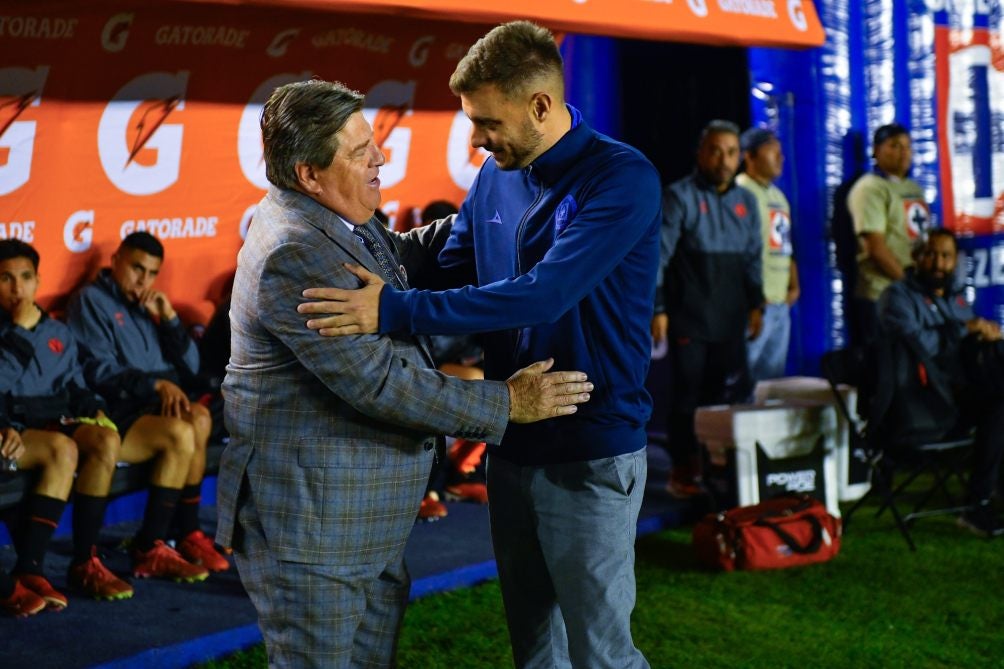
{"x":877,"y":604}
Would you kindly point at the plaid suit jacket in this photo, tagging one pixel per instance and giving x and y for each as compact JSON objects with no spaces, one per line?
{"x":333,"y":435}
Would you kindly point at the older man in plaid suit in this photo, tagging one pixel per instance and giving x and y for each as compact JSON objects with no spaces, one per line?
{"x":332,"y":439}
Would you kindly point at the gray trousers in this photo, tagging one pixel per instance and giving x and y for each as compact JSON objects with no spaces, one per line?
{"x":564,"y":543}
{"x":320,"y":615}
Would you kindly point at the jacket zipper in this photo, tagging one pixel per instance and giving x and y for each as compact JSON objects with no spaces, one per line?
{"x":519,"y":245}
{"x":522,"y":224}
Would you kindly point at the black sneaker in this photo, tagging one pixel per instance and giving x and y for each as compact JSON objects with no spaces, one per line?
{"x":981,"y":520}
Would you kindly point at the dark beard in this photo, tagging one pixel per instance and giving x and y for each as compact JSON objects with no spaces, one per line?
{"x":936,"y":284}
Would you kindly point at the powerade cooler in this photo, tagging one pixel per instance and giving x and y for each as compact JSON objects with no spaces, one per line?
{"x":852,"y":468}
{"x":755,"y":452}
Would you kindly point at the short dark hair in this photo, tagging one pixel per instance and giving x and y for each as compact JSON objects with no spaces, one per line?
{"x":943,"y":232}
{"x":753,"y":138}
{"x":438,"y":209}
{"x":299,"y":123}
{"x":888,"y":131}
{"x":715,"y":127}
{"x":145,"y":242}
{"x":510,"y":56}
{"x":15,"y":248}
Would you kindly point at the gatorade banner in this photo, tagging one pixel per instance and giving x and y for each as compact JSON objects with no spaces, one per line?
{"x":744,"y":22}
{"x":116,"y":118}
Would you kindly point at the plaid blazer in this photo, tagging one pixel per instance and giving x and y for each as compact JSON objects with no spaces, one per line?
{"x":333,"y":435}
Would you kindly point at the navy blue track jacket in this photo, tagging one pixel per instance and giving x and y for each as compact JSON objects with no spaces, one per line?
{"x":564,"y":253}
{"x":124,"y":350}
{"x":40,"y":375}
{"x":711,"y":252}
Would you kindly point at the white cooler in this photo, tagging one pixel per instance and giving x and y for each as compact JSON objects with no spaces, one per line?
{"x":758,"y":451}
{"x":852,"y":469}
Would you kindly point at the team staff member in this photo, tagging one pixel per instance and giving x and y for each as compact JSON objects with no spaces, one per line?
{"x":890,"y":216}
{"x":560,"y":234}
{"x":929,"y":310}
{"x":763,"y":161}
{"x":138,"y":355}
{"x":712,"y":293}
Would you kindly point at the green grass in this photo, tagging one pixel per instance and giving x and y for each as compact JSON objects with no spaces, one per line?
{"x":875,"y":605}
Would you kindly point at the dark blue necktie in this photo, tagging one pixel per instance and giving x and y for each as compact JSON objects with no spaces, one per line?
{"x":379,"y":253}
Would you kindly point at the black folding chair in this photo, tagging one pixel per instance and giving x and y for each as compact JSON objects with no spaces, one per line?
{"x":895,"y":468}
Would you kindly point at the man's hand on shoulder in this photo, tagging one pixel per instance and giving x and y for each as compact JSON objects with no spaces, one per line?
{"x":345,"y":312}
{"x":535,"y":395}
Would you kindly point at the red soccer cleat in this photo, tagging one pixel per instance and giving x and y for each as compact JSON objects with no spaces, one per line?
{"x":468,"y":492}
{"x":95,"y":580}
{"x":197,"y":548}
{"x":431,"y":508}
{"x":162,"y":561}
{"x":38,"y":584}
{"x":22,"y":602}
{"x":466,"y":455}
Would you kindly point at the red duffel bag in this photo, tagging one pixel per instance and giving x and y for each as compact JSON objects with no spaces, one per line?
{"x":782,"y":532}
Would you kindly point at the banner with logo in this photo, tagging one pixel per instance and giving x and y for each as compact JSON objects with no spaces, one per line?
{"x":969,"y":56}
{"x":115,"y":118}
{"x":744,"y":22}
{"x":970,"y":67}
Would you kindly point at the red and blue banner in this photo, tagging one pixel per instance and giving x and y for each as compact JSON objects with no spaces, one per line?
{"x":970,"y":85}
{"x":969,"y":55}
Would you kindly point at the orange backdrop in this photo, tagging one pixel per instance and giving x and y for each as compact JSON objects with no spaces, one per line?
{"x":746,"y":22}
{"x":120,"y":115}
{"x":116,"y":118}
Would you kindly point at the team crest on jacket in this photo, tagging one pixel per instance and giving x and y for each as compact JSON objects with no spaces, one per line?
{"x":564,"y":214}
{"x":120,"y":318}
{"x":916,"y":217}
{"x":55,"y":345}
{"x":740,"y":210}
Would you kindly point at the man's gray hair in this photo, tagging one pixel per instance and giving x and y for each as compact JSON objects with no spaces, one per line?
{"x":299,"y":123}
{"x":510,"y":56}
